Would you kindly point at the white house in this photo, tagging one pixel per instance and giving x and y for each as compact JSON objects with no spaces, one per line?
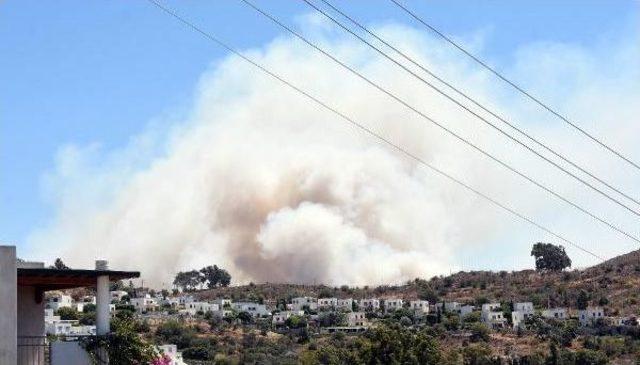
{"x":522,"y":311}
{"x":492,"y":315}
{"x":589,"y":316}
{"x":255,"y":309}
{"x":392,"y":304}
{"x":344,"y":304}
{"x":203,"y":307}
{"x":145,"y":304}
{"x":171,"y":351}
{"x":173,"y":302}
{"x":466,"y":309}
{"x":222,"y":303}
{"x":298,"y":304}
{"x":370,"y":304}
{"x":556,"y":313}
{"x":117,"y":295}
{"x":420,"y":307}
{"x":451,"y":307}
{"x":280,"y":318}
{"x":327,"y":303}
{"x":525,"y":307}
{"x":356,"y":319}
{"x":58,"y":300}
{"x":89,"y":299}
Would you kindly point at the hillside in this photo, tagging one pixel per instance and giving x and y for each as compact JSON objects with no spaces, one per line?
{"x":615,"y":284}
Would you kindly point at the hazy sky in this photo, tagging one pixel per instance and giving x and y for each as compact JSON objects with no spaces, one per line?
{"x":77,"y":73}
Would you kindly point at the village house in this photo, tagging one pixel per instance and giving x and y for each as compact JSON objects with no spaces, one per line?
{"x":392,"y":304}
{"x":279,"y":319}
{"x":345,"y":305}
{"x":194,"y":308}
{"x":356,"y":319}
{"x":255,"y":309}
{"x":221,"y":302}
{"x":117,"y":295}
{"x":555,"y":313}
{"x":466,"y":310}
{"x":370,"y":304}
{"x":301,"y":303}
{"x":589,"y":317}
{"x":451,"y":307}
{"x":144,"y":304}
{"x":57,"y":300}
{"x":420,"y":307}
{"x":521,"y":312}
{"x":79,"y":305}
{"x":492,"y":315}
{"x":327,"y":303}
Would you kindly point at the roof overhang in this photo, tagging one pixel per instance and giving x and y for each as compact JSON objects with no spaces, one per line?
{"x":55,"y":279}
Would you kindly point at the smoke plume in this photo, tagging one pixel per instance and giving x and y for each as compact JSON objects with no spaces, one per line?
{"x":270,"y":186}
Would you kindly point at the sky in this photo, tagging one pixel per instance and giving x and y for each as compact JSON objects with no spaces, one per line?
{"x":103,"y":74}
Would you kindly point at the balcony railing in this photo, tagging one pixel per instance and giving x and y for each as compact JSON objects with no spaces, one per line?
{"x":39,"y":350}
{"x":34,"y":350}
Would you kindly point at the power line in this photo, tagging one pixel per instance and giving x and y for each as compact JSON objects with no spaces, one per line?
{"x":441,"y":126}
{"x":516,"y":86}
{"x":368,"y":131}
{"x":472,"y":100}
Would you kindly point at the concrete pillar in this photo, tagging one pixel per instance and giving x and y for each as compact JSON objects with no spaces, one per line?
{"x":8,"y":306}
{"x":102,"y":300}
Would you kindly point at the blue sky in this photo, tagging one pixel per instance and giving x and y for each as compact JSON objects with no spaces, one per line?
{"x":78,"y":72}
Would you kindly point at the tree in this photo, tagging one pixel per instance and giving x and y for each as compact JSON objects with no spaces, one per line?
{"x":214,"y":276}
{"x":188,"y":280}
{"x":550,"y":257}
{"x":58,"y":264}
{"x":582,"y":301}
{"x":123,"y":345}
{"x":67,"y":313}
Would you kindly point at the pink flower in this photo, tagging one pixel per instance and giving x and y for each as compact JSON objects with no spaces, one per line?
{"x":164,"y":360}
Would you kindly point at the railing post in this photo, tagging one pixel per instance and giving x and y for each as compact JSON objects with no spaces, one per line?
{"x":102,"y":306}
{"x":8,"y":306}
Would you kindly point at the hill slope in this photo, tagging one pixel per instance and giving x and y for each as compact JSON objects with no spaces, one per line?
{"x":614,"y":284}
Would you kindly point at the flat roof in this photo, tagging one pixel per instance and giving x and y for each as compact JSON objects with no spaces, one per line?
{"x":54,"y":279}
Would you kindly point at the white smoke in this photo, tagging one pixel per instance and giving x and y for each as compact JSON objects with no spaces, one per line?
{"x":270,"y":186}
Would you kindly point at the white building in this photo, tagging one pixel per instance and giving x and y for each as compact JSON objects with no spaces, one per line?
{"x":492,"y":315}
{"x":300,"y":303}
{"x":173,"y":302}
{"x":344,"y":304}
{"x":255,"y":309}
{"x":356,"y":319}
{"x":524,"y":307}
{"x":58,"y":300}
{"x":222,"y":303}
{"x":117,"y":295}
{"x":146,"y":304}
{"x":370,"y":304}
{"x":589,"y":316}
{"x":556,"y":313}
{"x":171,"y":351}
{"x":522,"y":312}
{"x":420,"y":307}
{"x":327,"y":303}
{"x":465,"y":310}
{"x":194,"y":308}
{"x":452,"y":307}
{"x":79,"y":306}
{"x":280,"y":318}
{"x":392,"y":304}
